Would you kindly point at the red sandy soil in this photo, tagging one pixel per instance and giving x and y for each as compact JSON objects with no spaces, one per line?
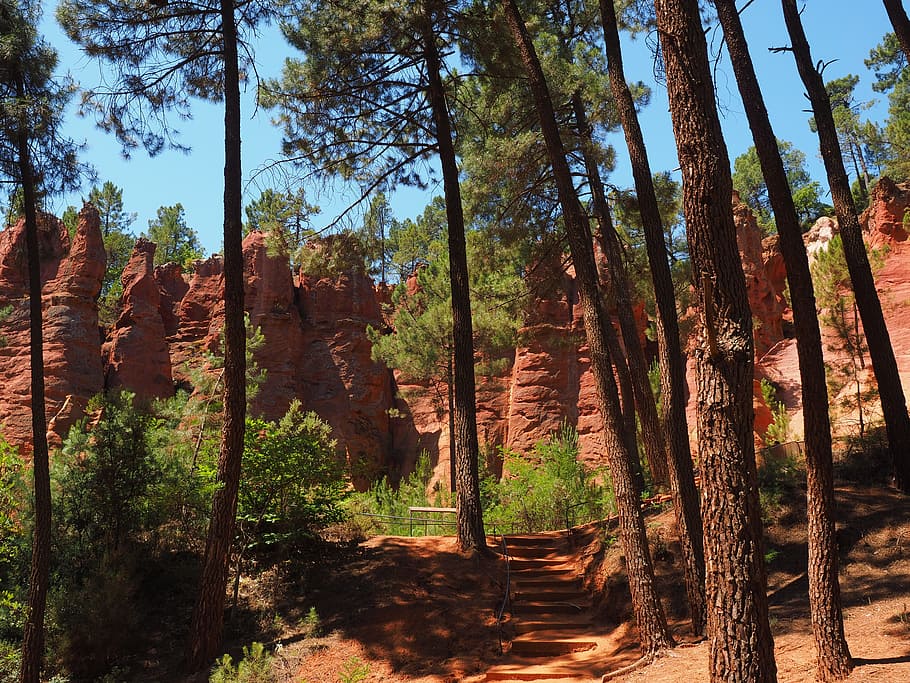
{"x":417,"y":611}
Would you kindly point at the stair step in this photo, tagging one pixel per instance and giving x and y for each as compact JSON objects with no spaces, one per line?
{"x":561,"y":622}
{"x":529,"y":673}
{"x":537,"y":594}
{"x":538,"y":552}
{"x":535,"y":573}
{"x":541,"y":608}
{"x":542,"y":646}
{"x":545,"y":581}
{"x":519,"y":563}
{"x":536,"y":540}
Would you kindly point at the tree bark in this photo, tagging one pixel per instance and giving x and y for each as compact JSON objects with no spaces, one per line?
{"x":33,"y":632}
{"x":834,"y":662}
{"x":652,"y":626}
{"x":655,"y":446}
{"x":670,"y":356}
{"x":894,"y":406}
{"x":741,"y":647}
{"x":469,"y":515}
{"x":898,"y":16}
{"x":208,"y":614}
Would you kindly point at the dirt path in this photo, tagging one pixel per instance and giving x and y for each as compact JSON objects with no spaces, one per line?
{"x":414,"y":610}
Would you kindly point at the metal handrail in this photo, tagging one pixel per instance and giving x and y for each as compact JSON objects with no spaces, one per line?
{"x":505,"y":598}
{"x":409,"y":520}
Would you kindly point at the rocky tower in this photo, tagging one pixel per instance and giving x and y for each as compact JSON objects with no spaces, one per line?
{"x":71,"y":273}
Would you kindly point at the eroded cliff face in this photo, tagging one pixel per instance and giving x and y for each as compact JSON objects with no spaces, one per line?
{"x":71,"y":273}
{"x":316,"y":349}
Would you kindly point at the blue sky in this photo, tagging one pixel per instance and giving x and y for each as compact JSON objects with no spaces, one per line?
{"x":837,"y":29}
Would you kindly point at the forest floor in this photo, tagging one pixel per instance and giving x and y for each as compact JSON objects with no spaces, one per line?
{"x":414,"y":610}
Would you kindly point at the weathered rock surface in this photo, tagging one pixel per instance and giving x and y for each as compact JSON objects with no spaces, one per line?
{"x":135,"y":354}
{"x":767,"y":309}
{"x":71,"y":273}
{"x":886,"y":221}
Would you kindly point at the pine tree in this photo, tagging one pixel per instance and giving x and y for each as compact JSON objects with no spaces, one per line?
{"x":161,"y":54}
{"x":894,"y":406}
{"x":741,"y":648}
{"x":35,"y":157}
{"x":652,"y":626}
{"x":392,"y":63}
{"x":670,"y":359}
{"x":834,"y":662}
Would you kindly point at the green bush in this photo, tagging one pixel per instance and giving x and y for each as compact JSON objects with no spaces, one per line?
{"x":292,"y":483}
{"x":15,"y":541}
{"x":778,"y":431}
{"x":255,"y":667}
{"x":544,"y":494}
{"x":391,"y":503}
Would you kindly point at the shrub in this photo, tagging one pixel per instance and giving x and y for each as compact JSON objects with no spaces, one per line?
{"x":779,"y":430}
{"x":392,"y":503}
{"x":255,"y":667}
{"x":549,"y":493}
{"x":292,"y":483}
{"x":15,"y":526}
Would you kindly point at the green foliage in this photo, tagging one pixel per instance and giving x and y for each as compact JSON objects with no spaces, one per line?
{"x":887,"y":61}
{"x":387,"y":501}
{"x":156,"y":57}
{"x":177,"y":242}
{"x":543,"y":492}
{"x":284,"y":216}
{"x":421,"y":344}
{"x":254,"y":667}
{"x":10,"y":661}
{"x":354,"y":671}
{"x":32,"y":103}
{"x":749,"y":181}
{"x":333,"y":255}
{"x":15,"y":529}
{"x":630,"y":229}
{"x":118,"y":244}
{"x":292,"y":483}
{"x":780,"y":476}
{"x":779,"y":430}
{"x":832,"y":289}
{"x":106,"y":476}
{"x":858,"y":138}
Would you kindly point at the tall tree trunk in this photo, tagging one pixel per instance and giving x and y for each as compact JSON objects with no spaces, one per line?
{"x":894,"y":406}
{"x":208,"y":614}
{"x":834,"y":662}
{"x":670,"y":356}
{"x":655,"y":447}
{"x":469,"y":515}
{"x":898,"y":16}
{"x":33,"y":632}
{"x":652,"y":626}
{"x":741,"y":647}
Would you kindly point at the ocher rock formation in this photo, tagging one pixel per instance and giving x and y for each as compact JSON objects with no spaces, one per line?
{"x":316,"y":349}
{"x":135,"y":353}
{"x":71,"y":275}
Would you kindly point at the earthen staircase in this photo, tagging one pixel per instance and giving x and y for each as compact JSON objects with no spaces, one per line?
{"x":551,"y":614}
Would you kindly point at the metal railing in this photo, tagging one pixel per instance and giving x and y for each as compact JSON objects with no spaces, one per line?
{"x":508,"y":591}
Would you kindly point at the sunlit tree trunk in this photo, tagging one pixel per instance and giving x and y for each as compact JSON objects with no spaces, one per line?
{"x":834,"y":660}
{"x":33,"y":630}
{"x":652,"y":626}
{"x":670,"y":357}
{"x":884,"y":364}
{"x":898,"y":16}
{"x":655,"y":447}
{"x":469,"y":515}
{"x":741,"y":649}
{"x":208,"y":615}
